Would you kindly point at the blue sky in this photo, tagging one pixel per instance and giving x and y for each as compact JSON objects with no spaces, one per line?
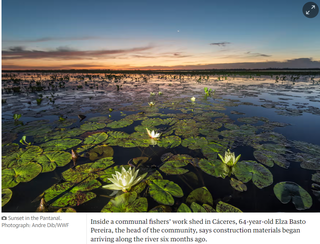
{"x":162,"y":35}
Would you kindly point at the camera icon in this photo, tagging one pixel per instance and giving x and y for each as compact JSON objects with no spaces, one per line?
{"x":4,"y":218}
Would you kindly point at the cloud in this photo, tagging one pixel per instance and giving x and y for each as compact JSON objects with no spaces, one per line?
{"x":220,"y":44}
{"x":299,"y":63}
{"x":258,"y":54}
{"x":66,"y":53}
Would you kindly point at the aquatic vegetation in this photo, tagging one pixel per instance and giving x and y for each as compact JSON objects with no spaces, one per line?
{"x":23,"y":141}
{"x":16,"y":117}
{"x":229,"y":158}
{"x":151,"y":104}
{"x":193,"y":99}
{"x":286,"y":191}
{"x":124,"y":180}
{"x":153,"y":134}
{"x":160,"y":93}
{"x":208,"y":92}
{"x":152,"y":94}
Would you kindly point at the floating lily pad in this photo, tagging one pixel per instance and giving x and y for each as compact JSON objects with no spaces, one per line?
{"x":286,"y":191}
{"x":138,"y":161}
{"x":96,"y":138}
{"x":152,"y":122}
{"x":161,"y":209}
{"x":9,"y":149}
{"x":196,"y":208}
{"x":84,"y":171}
{"x":24,"y":173}
{"x":194,"y":143}
{"x":212,"y":149}
{"x":186,"y":128}
{"x":116,"y":137}
{"x":316,"y":177}
{"x":50,"y":160}
{"x":88,"y":126}
{"x":56,"y":190}
{"x":78,"y":194}
{"x":21,"y":157}
{"x":200,"y":195}
{"x":120,"y":123}
{"x":62,"y":144}
{"x":172,"y":165}
{"x":6,"y":196}
{"x":169,"y":141}
{"x":163,"y":190}
{"x":269,"y":158}
{"x":251,"y":170}
{"x":184,"y":208}
{"x":225,"y":207}
{"x":238,"y":185}
{"x":100,"y":119}
{"x":307,"y":147}
{"x":308,"y":161}
{"x":214,"y":167}
{"x":127,"y":202}
{"x":316,"y":190}
{"x":99,"y":152}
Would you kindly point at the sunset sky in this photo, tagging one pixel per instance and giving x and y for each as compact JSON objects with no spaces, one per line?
{"x":174,"y":34}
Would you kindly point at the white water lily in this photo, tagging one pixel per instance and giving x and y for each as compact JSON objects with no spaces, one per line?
{"x":160,"y":93}
{"x":229,"y":158}
{"x":125,"y":180}
{"x":153,"y":134}
{"x":151,"y":104}
{"x":192,"y":99}
{"x":152,"y":94}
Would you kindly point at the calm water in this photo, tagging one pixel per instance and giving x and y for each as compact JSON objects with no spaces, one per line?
{"x":293,"y":103}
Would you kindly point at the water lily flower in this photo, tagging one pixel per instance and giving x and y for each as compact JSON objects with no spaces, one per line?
{"x":153,"y":134}
{"x":192,"y":99}
{"x":229,"y":158}
{"x":124,"y":180}
{"x":152,"y":94}
{"x":160,"y":93}
{"x":151,"y":104}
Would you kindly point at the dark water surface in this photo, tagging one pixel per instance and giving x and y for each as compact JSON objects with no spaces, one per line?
{"x":288,"y":108}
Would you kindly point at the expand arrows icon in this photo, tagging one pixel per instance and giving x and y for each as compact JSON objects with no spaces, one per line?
{"x":307,"y":12}
{"x":313,"y":6}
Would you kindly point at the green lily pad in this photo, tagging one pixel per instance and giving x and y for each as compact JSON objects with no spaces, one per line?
{"x":308,"y":161}
{"x":116,"y":137}
{"x":100,"y":119}
{"x":154,"y":176}
{"x":212,"y":149}
{"x":225,"y":207}
{"x":169,"y":141}
{"x":56,"y":190}
{"x":102,"y":163}
{"x":307,"y":147}
{"x":196,"y":208}
{"x":9,"y":149}
{"x":238,"y":185}
{"x":184,"y":208}
{"x":88,"y":126}
{"x":186,"y":128}
{"x":208,"y":208}
{"x":127,"y":202}
{"x":21,"y":157}
{"x":214,"y":167}
{"x":162,"y":191}
{"x":194,"y":143}
{"x":77,"y":195}
{"x":6,"y":196}
{"x":96,"y":138}
{"x":173,"y":164}
{"x":99,"y":152}
{"x":286,"y":191}
{"x":152,"y":122}
{"x":24,"y":173}
{"x":316,"y":177}
{"x":120,"y":123}
{"x":138,"y":161}
{"x":84,"y":171}
{"x":251,"y":170}
{"x":50,"y":160}
{"x":200,"y":195}
{"x":62,"y":144}
{"x":160,"y":209}
{"x":269,"y":158}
